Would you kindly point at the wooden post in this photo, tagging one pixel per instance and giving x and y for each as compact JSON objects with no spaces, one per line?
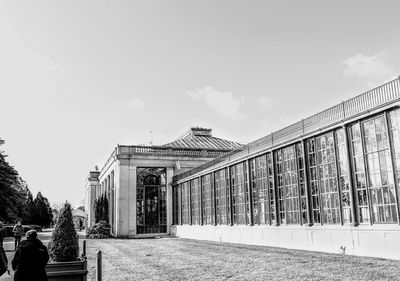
{"x":99,"y":273}
{"x":84,"y":249}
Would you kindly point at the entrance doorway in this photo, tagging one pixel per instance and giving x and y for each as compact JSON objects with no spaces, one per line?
{"x":151,"y":201}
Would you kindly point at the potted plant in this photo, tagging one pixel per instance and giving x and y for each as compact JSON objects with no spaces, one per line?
{"x":64,"y":251}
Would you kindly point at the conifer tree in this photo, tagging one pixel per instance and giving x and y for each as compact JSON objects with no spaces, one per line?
{"x":42,"y":207}
{"x":32,"y":212}
{"x":101,"y":209}
{"x":63,"y":245}
{"x":12,"y":191}
{"x":105,"y":210}
{"x":96,"y":210}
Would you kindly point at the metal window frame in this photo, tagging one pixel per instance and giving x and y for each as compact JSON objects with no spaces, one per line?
{"x":391,"y":151}
{"x":339,"y":190}
{"x":371,"y":220}
{"x":231,"y":222}
{"x":214,"y":191}
{"x":250,"y":190}
{"x":277,"y":203}
{"x":350,"y":171}
{"x":298,"y":181}
{"x":306,"y":184}
{"x":274,"y":198}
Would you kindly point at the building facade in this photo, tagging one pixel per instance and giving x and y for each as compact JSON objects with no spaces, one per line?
{"x":330,"y":183}
{"x":137,"y":181}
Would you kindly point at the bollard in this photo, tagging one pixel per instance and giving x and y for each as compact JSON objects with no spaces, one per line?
{"x":99,"y":273}
{"x":84,"y":249}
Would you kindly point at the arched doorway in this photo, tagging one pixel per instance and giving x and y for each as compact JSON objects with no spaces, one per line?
{"x":151,"y":201}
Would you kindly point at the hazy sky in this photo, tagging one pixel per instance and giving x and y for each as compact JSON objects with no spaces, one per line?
{"x":78,"y":77}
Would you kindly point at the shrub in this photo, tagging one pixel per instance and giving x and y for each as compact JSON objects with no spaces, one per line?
{"x":99,"y":230}
{"x":64,"y":245}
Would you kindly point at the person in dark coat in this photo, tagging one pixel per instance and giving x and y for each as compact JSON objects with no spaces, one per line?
{"x":3,"y":261}
{"x":18,"y":230}
{"x":30,"y":259}
{"x":2,"y":233}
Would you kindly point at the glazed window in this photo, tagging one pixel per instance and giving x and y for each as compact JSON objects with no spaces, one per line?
{"x":238,"y":182}
{"x":328,"y":186}
{"x":207,"y":200}
{"x":344,"y":179}
{"x":380,"y":170}
{"x":221,"y":196}
{"x":195,"y":202}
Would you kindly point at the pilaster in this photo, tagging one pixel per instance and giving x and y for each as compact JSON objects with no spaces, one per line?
{"x":92,"y":184}
{"x":132,"y":199}
{"x":170,"y":174}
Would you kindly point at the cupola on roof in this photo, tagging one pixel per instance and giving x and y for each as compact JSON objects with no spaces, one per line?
{"x":198,"y":137}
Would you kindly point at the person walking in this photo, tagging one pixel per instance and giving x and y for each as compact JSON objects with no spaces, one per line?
{"x":18,"y":230}
{"x":30,"y":259}
{"x":3,"y":256}
{"x":3,"y":262}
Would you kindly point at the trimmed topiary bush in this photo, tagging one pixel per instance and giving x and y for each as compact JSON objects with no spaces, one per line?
{"x":64,"y":245}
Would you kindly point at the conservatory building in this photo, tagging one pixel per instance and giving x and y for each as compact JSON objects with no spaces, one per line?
{"x":330,"y":182}
{"x":137,"y":181}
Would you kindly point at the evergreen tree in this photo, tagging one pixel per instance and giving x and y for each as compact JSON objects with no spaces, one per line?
{"x":64,"y":245}
{"x":56,"y":210}
{"x":101,"y":208}
{"x":43,"y":210}
{"x":16,"y":201}
{"x":32,"y":211}
{"x":96,"y":210}
{"x":105,"y":210}
{"x":23,"y":190}
{"x":12,"y":195}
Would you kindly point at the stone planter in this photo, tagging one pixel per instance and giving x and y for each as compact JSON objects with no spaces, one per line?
{"x":67,"y":271}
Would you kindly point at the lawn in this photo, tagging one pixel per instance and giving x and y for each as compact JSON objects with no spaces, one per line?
{"x":182,"y":259}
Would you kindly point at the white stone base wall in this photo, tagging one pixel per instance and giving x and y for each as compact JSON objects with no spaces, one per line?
{"x":374,"y":241}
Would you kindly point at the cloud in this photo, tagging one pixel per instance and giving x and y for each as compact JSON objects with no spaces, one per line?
{"x":224,"y":103}
{"x":373,"y":69}
{"x":135,"y":104}
{"x":266,"y":102}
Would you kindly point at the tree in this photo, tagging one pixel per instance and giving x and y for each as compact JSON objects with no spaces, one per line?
{"x":101,"y":209}
{"x":56,"y":210}
{"x":43,"y":210}
{"x":105,"y":210}
{"x":12,"y":191}
{"x":17,"y":202}
{"x":23,"y":190}
{"x":63,"y":245}
{"x":32,"y":211}
{"x":96,"y":210}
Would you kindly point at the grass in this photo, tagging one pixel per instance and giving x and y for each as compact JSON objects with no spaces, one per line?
{"x":182,"y":259}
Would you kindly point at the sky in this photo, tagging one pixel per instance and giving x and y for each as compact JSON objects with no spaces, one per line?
{"x":79,"y":77}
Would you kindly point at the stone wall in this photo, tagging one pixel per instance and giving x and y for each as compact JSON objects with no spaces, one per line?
{"x":377,"y":241}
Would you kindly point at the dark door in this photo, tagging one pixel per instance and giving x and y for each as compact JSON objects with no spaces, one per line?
{"x":151,"y":214}
{"x":152,"y":210}
{"x":151,"y":207}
